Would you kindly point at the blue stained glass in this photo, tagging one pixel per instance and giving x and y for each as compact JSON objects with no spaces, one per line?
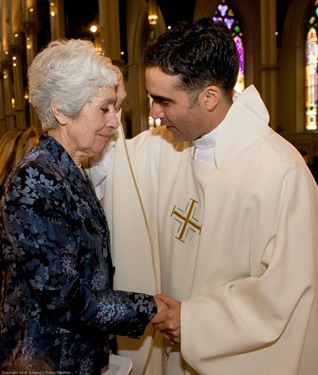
{"x":229,"y":22}
{"x":226,"y":15}
{"x":223,"y":8}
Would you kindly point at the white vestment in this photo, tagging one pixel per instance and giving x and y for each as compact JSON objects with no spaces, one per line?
{"x":236,"y":243}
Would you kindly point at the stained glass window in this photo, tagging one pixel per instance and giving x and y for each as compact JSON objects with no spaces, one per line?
{"x":225,"y":14}
{"x":311,"y":69}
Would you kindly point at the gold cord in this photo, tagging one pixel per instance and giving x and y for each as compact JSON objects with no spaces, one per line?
{"x":143,"y":213}
{"x":150,"y":242}
{"x":149,"y":238}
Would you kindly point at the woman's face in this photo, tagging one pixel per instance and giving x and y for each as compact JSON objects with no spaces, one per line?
{"x":87,"y":135}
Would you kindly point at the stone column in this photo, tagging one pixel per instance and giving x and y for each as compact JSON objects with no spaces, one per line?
{"x":8,"y":90}
{"x":110,"y":29}
{"x":57,"y":21}
{"x":30,"y":26}
{"x":8,"y":38}
{"x":269,"y":66}
{"x":2,"y":114}
{"x":15,"y":52}
{"x":17,"y":74}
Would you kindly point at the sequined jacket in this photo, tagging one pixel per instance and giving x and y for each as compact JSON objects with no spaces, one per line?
{"x":58,"y":298}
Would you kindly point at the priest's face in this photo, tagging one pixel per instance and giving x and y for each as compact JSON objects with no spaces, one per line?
{"x":187,"y":121}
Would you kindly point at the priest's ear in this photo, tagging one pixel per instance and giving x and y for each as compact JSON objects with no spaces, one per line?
{"x":211,"y":96}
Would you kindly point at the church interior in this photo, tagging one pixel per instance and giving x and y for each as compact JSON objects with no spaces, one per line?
{"x":276,"y":39}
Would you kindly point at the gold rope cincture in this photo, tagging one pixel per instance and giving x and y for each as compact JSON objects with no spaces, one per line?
{"x":149,"y":238}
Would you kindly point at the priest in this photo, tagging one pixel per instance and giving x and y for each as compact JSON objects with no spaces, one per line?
{"x":217,"y":213}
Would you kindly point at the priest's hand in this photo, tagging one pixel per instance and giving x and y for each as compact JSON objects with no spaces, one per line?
{"x":168,"y":320}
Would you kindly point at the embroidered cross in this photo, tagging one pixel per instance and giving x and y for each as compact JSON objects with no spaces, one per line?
{"x":186,"y":219}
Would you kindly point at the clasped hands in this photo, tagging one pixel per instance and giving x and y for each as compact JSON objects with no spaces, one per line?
{"x":167,"y":320}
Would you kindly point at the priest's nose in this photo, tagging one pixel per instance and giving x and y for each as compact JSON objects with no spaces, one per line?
{"x":156,"y":111}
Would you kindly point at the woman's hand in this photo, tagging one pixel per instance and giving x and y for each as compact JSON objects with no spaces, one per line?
{"x":121,"y":89}
{"x":161,"y":306}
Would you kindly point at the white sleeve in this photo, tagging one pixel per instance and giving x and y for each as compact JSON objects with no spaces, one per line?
{"x":98,"y":169}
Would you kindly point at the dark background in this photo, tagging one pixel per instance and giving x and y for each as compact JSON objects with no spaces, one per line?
{"x":81,"y":14}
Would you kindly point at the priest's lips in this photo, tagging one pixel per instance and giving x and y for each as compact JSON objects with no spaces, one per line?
{"x":172,"y":129}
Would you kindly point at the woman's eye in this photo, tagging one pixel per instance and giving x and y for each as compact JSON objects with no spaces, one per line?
{"x":105,"y":110}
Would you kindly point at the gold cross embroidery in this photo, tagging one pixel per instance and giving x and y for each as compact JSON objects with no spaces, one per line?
{"x":187,"y":220}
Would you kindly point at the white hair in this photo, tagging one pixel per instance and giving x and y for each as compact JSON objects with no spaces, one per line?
{"x":67,"y":73}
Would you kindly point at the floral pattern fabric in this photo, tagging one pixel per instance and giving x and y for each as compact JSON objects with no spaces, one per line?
{"x":57,"y":298}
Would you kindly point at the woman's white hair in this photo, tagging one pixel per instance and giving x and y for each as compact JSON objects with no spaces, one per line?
{"x":67,"y":73}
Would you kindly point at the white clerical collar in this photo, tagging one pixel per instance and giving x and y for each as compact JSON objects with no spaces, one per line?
{"x":203,"y":148}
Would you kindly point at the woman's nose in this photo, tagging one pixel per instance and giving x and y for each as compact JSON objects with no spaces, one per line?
{"x":113,"y":122}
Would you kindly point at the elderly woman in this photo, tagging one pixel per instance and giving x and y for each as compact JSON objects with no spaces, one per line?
{"x":58,"y":297}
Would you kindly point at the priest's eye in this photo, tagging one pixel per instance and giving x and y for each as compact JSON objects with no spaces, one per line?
{"x":105,"y":110}
{"x":163,"y":103}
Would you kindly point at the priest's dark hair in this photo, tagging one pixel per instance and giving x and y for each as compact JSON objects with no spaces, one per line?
{"x":201,"y":53}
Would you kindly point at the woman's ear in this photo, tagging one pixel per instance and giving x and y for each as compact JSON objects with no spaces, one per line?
{"x":60,"y":118}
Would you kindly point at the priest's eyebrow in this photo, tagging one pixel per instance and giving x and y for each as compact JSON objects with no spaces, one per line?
{"x":159,"y":98}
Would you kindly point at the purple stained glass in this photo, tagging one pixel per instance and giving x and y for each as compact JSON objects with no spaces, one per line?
{"x":239,"y":46}
{"x":311,"y":92}
{"x":217,"y":19}
{"x":311,"y":52}
{"x":226,"y":15}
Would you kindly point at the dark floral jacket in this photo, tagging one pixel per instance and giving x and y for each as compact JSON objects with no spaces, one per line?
{"x":57,"y":298}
